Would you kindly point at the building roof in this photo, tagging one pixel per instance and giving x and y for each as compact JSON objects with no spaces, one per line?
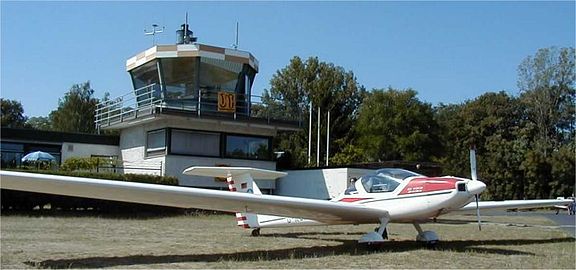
{"x":54,"y":136}
{"x":191,"y":50}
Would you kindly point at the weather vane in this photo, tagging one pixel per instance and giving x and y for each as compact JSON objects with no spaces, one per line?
{"x":155,"y":30}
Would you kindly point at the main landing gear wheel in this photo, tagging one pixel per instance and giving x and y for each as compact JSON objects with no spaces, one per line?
{"x":377,"y":237}
{"x":384,"y":234}
{"x":428,"y":238}
{"x":256,"y":232}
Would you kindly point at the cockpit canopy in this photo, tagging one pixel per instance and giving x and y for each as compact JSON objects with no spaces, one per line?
{"x":385,"y":180}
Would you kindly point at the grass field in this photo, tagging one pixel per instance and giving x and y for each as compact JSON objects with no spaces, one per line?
{"x":214,"y":241}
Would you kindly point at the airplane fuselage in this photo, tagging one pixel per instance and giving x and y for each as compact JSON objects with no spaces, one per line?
{"x":415,"y":199}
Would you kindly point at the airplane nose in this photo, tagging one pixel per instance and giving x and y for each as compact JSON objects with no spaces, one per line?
{"x":475,"y":187}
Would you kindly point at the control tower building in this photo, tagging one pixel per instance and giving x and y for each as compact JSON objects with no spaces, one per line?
{"x":192,"y":105}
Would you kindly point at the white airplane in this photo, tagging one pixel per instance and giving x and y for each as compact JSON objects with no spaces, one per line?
{"x":385,"y":196}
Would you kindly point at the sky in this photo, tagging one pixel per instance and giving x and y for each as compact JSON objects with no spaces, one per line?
{"x":449,"y":52}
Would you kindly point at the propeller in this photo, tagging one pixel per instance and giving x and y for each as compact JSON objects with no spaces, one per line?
{"x":474,"y":176}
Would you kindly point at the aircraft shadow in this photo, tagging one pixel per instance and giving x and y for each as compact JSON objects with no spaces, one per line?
{"x":347,"y":247}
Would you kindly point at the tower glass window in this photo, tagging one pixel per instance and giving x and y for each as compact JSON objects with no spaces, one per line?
{"x":179,"y":76}
{"x":145,"y":75}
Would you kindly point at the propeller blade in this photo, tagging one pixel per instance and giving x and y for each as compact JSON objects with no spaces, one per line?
{"x":478,"y":213}
{"x":473,"y":164}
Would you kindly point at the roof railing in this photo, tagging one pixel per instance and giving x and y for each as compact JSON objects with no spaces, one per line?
{"x":146,"y":100}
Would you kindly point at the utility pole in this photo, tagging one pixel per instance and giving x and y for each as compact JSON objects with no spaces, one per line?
{"x":327,"y":138}
{"x":318,"y":145}
{"x":310,"y":135}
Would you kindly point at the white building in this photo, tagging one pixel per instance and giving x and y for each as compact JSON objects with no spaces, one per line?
{"x":16,"y":143}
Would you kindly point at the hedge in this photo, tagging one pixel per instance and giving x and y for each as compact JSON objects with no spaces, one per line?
{"x":129,"y":177}
{"x":20,"y":200}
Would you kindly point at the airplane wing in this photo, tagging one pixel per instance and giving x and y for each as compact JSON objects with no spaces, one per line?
{"x":512,"y":204}
{"x":185,"y":197}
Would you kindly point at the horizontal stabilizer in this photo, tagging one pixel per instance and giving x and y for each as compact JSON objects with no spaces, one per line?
{"x":233,"y":171}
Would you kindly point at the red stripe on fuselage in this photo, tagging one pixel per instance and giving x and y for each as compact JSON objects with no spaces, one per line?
{"x":352,"y":199}
{"x":429,"y":184}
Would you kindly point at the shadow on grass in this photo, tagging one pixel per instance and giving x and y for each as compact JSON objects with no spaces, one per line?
{"x":347,"y":247}
{"x":121,"y":215}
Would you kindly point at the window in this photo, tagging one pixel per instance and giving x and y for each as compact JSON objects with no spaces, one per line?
{"x":156,"y":142}
{"x":247,"y":147}
{"x":219,"y":75}
{"x":142,"y":76}
{"x":398,"y":174}
{"x":145,"y":75}
{"x":195,"y":143}
{"x":379,"y":183}
{"x":180,"y":77}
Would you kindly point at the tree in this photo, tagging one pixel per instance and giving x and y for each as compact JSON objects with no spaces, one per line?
{"x":395,"y":125}
{"x":546,"y":82}
{"x":493,"y":124}
{"x":12,"y":114}
{"x":76,"y":110}
{"x":301,"y":84}
{"x":40,"y":123}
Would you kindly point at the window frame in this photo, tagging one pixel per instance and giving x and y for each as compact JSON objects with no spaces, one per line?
{"x":225,"y":141}
{"x":160,"y":151}
{"x":222,"y":144}
{"x":171,"y":152}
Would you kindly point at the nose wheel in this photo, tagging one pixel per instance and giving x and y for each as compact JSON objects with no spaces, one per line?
{"x":256,"y":232}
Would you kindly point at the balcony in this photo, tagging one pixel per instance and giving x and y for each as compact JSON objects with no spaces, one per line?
{"x":150,"y":101}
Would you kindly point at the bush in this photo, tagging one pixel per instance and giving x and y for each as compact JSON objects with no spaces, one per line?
{"x":20,"y":200}
{"x":85,"y":163}
{"x":139,"y":178}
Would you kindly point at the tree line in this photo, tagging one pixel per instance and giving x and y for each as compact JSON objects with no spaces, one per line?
{"x":525,"y":142}
{"x":75,"y":112}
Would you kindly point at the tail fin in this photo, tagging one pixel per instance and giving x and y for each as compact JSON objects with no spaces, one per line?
{"x":244,"y":183}
{"x":239,"y":180}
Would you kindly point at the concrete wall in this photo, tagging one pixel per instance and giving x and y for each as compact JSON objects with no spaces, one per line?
{"x":87,"y":150}
{"x":317,"y":184}
{"x":132,"y":152}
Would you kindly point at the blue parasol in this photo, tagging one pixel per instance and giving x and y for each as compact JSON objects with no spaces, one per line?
{"x":38,"y":155}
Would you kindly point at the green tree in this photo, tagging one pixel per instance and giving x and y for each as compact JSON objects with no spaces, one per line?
{"x":563,"y":171}
{"x":40,"y":123}
{"x":75,"y":111}
{"x":546,"y":81}
{"x":350,"y":154}
{"x":324,"y":85}
{"x":395,"y":125}
{"x":492,"y":123}
{"x":12,"y":114}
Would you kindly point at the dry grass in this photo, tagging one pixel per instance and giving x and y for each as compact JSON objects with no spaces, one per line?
{"x":215,"y":242}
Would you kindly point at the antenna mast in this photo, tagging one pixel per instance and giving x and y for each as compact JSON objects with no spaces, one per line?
{"x":153,"y":33}
{"x":184,"y":35}
{"x":235,"y":45}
